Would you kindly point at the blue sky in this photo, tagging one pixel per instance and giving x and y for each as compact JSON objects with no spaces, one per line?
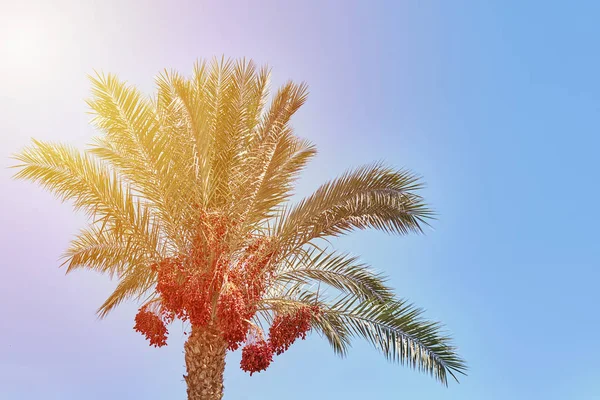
{"x":495,"y":104}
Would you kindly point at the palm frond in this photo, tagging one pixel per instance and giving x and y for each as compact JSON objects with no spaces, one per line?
{"x":135,"y":145}
{"x":257,"y":98}
{"x":129,"y":121}
{"x":225,"y":93}
{"x":340,"y":271}
{"x":285,"y":104}
{"x":76,"y":176}
{"x":134,"y":283}
{"x":398,"y":330}
{"x":102,"y":250}
{"x":330,"y":325}
{"x":97,"y":249}
{"x":267,"y":177}
{"x":186,"y":105}
{"x":372,"y":196}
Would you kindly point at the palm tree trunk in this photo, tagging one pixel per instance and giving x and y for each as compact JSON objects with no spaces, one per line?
{"x":205,"y":363}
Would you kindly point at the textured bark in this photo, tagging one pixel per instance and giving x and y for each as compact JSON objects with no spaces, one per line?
{"x":205,"y":363}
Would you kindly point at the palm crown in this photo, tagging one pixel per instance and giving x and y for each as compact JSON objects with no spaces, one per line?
{"x":188,"y":197}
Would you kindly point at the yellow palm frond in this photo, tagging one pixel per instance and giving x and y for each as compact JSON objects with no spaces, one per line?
{"x":230,"y":126}
{"x":139,"y":149}
{"x":266,"y":179}
{"x":100,"y":249}
{"x":134,"y":283}
{"x":76,"y":176}
{"x":284,"y":105}
{"x":128,"y":119}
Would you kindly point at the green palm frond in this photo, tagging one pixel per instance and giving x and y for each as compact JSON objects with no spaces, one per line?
{"x":330,"y":325}
{"x":396,"y":328}
{"x":340,"y":271}
{"x":368,"y":197}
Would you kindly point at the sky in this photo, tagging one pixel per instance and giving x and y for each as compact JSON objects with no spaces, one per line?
{"x":495,"y":104}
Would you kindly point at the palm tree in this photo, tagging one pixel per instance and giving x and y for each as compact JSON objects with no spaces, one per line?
{"x":187,"y":195}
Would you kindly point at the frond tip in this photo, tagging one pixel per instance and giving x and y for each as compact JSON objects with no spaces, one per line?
{"x":396,"y":328}
{"x":373,"y":196}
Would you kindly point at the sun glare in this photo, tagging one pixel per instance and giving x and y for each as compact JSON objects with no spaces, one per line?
{"x":28,"y":46}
